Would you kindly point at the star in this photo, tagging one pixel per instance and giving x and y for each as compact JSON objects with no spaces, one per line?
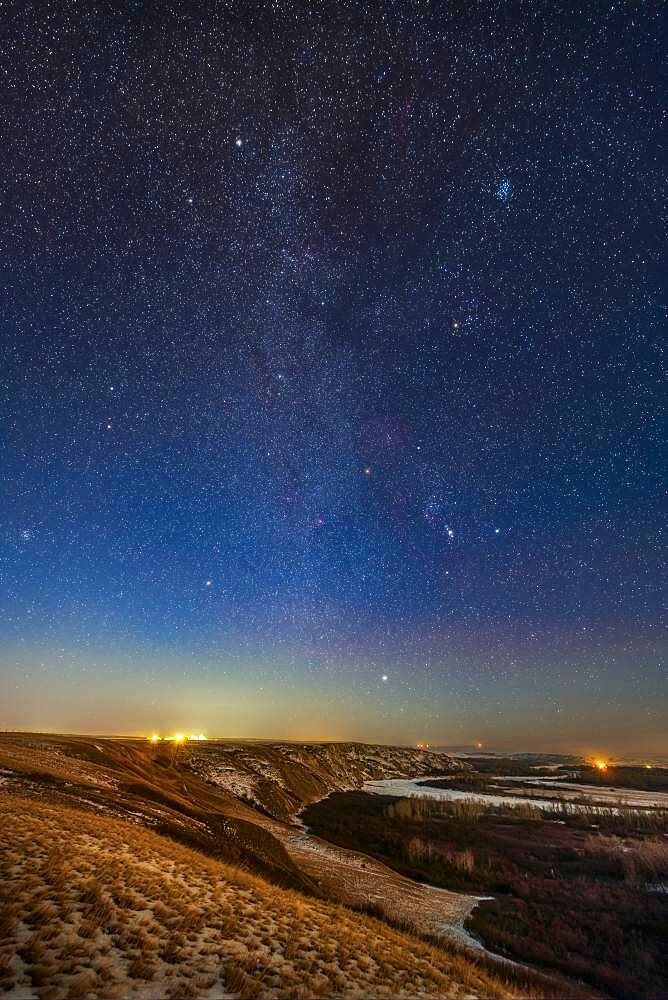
{"x":307,"y":316}
{"x":504,"y":190}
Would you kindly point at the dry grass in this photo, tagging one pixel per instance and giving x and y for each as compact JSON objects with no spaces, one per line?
{"x":584,"y":812}
{"x":94,"y":906}
{"x":639,"y":861}
{"x":420,"y":807}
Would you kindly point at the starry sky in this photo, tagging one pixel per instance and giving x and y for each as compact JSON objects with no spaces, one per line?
{"x":331,"y":382}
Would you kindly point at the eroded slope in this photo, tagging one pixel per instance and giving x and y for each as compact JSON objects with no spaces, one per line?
{"x":282,"y":777}
{"x":96,"y":906}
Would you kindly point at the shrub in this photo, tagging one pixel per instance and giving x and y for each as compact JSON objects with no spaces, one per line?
{"x":141,"y":968}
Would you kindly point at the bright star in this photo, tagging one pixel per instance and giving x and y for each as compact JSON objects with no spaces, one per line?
{"x":384,"y":678}
{"x":239,"y":142}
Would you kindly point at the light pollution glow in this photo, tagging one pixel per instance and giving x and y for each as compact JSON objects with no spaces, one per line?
{"x":138,"y":697}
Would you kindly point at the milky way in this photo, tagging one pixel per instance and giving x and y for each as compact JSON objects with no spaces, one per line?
{"x":331,"y":380}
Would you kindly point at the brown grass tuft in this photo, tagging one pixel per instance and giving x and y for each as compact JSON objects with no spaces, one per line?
{"x":81,"y":986}
{"x":142,"y":967}
{"x":8,"y":914}
{"x":183,"y":988}
{"x":238,"y":981}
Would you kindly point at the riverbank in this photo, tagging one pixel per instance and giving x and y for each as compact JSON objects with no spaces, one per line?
{"x":566,"y":897}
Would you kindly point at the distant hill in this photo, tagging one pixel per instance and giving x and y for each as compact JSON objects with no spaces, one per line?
{"x":282,"y":777}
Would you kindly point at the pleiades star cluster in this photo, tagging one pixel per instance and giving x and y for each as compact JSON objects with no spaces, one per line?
{"x":331,"y":378}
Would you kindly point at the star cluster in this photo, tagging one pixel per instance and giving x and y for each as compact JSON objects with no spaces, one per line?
{"x":332,"y":370}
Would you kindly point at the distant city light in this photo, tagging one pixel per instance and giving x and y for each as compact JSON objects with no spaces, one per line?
{"x":600,"y":765}
{"x":154,"y":738}
{"x":180,"y":738}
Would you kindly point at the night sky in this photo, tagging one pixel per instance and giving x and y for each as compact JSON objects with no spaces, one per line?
{"x":331,"y":371}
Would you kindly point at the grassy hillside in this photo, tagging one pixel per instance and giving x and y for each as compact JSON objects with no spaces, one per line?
{"x":141,"y":871}
{"x":94,"y":905}
{"x":282,"y":777}
{"x":279,"y":778}
{"x":128,"y":870}
{"x":128,"y":779}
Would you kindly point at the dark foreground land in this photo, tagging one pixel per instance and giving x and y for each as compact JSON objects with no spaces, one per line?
{"x":571,"y":896}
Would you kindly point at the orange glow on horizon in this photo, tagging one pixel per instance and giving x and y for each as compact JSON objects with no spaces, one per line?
{"x":183,"y":738}
{"x":600,"y":765}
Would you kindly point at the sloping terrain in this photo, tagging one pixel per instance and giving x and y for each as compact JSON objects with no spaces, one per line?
{"x":282,"y":777}
{"x":120,"y":867}
{"x":189,"y":795}
{"x":278,"y":777}
{"x":129,"y":779}
{"x":95,"y":906}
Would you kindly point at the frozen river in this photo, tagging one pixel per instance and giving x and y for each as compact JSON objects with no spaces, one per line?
{"x":547,"y":791}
